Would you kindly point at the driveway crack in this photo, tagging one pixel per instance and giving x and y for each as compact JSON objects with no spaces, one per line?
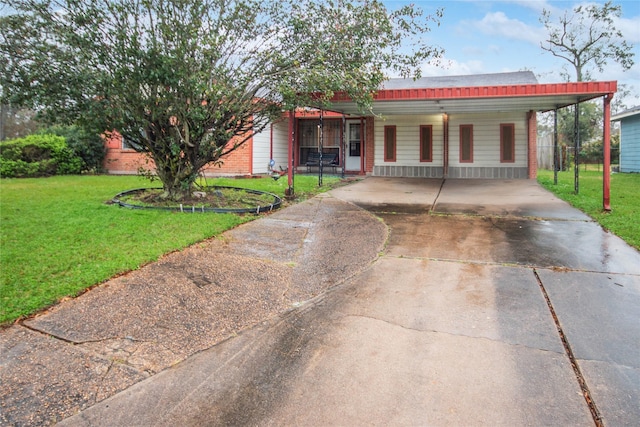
{"x":451,"y":334}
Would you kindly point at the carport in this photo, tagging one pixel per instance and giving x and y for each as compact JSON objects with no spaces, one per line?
{"x":447,"y":96}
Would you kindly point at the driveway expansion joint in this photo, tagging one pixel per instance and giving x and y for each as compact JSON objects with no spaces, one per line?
{"x":555,"y":268}
{"x":595,"y":413}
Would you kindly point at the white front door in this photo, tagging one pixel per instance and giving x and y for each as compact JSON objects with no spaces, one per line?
{"x":354,"y":146}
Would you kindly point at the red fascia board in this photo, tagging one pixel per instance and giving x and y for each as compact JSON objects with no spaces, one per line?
{"x":474,"y":92}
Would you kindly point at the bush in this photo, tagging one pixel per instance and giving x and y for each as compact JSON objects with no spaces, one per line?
{"x":22,"y":169}
{"x":88,"y":146}
{"x":37,"y":155}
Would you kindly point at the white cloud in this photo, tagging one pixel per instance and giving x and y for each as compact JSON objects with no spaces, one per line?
{"x":473,"y":50}
{"x":535,"y":5}
{"x":630,"y":28}
{"x":498,"y":24}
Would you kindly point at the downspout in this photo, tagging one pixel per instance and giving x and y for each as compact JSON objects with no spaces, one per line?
{"x":606,"y":173}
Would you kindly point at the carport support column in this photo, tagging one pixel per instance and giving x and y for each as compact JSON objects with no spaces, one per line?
{"x":532,"y":151}
{"x":290,"y":154}
{"x":606,"y":172}
{"x":445,"y":145}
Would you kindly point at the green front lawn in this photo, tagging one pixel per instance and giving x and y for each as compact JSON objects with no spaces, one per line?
{"x":624,"y":218}
{"x":59,"y":237}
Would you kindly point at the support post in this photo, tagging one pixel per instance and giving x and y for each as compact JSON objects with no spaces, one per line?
{"x":556,"y":153}
{"x":576,"y":149}
{"x":445,"y":145}
{"x":320,"y":148}
{"x":606,"y":171}
{"x":290,"y":190}
{"x":363,"y":140}
{"x":343,"y":143}
{"x":532,"y":145}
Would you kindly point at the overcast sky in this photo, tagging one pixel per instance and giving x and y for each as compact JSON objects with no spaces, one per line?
{"x":501,"y":36}
{"x":489,"y":36}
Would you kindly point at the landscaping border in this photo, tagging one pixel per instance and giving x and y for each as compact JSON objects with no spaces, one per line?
{"x":277,"y":202}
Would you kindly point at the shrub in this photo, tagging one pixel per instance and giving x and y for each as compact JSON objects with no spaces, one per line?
{"x":37,"y":155}
{"x":88,"y":146}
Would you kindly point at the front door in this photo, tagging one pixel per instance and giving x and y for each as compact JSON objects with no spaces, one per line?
{"x":354,"y":147}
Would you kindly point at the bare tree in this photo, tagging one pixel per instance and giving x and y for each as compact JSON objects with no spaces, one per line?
{"x":587,"y":37}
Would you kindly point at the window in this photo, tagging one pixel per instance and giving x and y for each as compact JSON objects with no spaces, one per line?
{"x":426,"y":143}
{"x":354,"y":140}
{"x":507,"y":143}
{"x":389,"y":143}
{"x":309,"y":137}
{"x":466,"y":143}
{"x":128,"y":144}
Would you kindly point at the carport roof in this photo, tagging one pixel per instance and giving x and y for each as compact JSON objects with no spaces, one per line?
{"x":503,"y":92}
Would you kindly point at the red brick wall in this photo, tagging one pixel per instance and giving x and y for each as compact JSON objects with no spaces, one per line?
{"x":121,"y":161}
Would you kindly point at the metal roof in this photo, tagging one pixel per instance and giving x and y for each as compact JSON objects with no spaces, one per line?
{"x":503,"y":92}
{"x":495,"y":79}
{"x":634,"y":111}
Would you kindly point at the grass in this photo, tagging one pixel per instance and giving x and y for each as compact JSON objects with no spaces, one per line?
{"x":58,"y":237}
{"x":624,"y":218}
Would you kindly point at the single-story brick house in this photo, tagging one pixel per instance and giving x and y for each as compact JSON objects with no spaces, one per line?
{"x":475,"y":126}
{"x":122,"y":159}
{"x":629,"y":139}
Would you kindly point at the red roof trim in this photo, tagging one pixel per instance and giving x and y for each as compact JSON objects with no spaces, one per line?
{"x":470,"y":92}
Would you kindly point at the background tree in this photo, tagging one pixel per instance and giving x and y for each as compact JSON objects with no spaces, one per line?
{"x":189,"y":81}
{"x":589,"y":127}
{"x":587,"y":37}
{"x":16,"y":122}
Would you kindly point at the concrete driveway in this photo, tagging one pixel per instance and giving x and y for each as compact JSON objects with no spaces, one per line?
{"x":493,"y":303}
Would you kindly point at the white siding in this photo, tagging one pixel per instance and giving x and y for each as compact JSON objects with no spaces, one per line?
{"x":281,"y":143}
{"x":408,"y":140}
{"x":261,"y":149}
{"x":486,"y":139}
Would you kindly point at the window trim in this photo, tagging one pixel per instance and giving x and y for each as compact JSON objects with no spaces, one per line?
{"x":503,"y":130}
{"x":387,"y":157}
{"x":428,"y":129}
{"x":460,"y":159}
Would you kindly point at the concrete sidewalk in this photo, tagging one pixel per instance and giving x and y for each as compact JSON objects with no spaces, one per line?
{"x":486,"y":296}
